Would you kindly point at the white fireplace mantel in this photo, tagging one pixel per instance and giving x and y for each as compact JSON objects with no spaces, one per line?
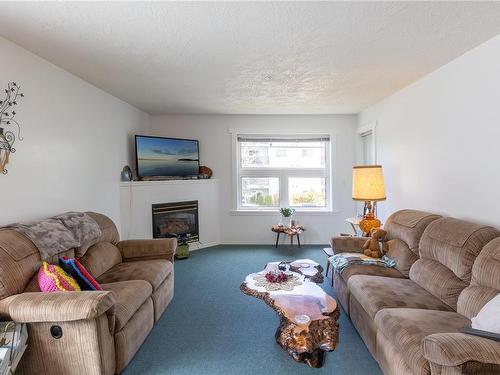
{"x":136,"y":198}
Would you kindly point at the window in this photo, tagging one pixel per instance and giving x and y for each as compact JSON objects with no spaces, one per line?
{"x":281,"y":171}
{"x":366,"y":146}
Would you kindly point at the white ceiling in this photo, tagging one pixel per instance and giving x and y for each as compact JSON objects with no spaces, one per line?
{"x":250,"y":57}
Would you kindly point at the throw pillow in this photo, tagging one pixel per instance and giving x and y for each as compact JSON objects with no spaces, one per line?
{"x":80,"y":274}
{"x":488,"y":319}
{"x":52,"y":278}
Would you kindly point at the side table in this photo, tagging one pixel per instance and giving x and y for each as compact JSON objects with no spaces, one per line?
{"x":329,"y":253}
{"x":354,"y":222}
{"x":295,"y":230}
{"x":13,"y":342}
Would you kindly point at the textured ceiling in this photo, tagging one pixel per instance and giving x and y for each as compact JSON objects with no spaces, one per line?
{"x":250,"y":57}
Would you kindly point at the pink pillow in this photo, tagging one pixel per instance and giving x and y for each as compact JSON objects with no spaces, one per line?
{"x":52,"y":278}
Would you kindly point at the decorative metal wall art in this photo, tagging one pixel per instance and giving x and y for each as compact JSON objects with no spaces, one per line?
{"x":8,"y":125}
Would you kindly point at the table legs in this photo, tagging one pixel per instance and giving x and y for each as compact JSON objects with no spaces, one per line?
{"x":291,"y":239}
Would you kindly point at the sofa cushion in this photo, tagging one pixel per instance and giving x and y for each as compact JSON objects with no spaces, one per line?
{"x":152,"y":271}
{"x":408,"y":226}
{"x":438,"y":280}
{"x":375,"y":293}
{"x":100,"y":258}
{"x":486,"y":268}
{"x":455,"y":244}
{"x":402,"y":255}
{"x":448,"y":249}
{"x":129,"y":296}
{"x":406,"y":328}
{"x":52,"y":278}
{"x":485,"y":283}
{"x":19,"y":261}
{"x":74,"y":268}
{"x":109,"y":233}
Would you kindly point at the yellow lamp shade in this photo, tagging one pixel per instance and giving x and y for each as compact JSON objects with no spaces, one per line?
{"x":368,"y":183}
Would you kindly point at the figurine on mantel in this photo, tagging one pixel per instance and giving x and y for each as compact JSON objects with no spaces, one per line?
{"x":205,"y":172}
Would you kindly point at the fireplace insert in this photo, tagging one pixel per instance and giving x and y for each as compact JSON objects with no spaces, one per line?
{"x":176,"y":219}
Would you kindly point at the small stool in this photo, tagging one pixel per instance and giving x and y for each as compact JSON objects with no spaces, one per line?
{"x":328,"y":252}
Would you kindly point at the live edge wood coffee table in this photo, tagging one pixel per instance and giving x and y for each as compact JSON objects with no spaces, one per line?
{"x":308,"y":316}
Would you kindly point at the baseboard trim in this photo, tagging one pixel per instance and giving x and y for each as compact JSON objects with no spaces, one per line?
{"x":198,"y":246}
{"x":271,"y":244}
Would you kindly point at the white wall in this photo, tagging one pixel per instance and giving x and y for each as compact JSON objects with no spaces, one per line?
{"x":438,"y":139}
{"x":215,"y":151}
{"x":76,"y":140}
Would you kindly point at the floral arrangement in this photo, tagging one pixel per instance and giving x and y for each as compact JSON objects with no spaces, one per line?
{"x":276,"y":277}
{"x":287,"y":211}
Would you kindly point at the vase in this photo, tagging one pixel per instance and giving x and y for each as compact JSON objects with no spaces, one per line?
{"x":281,"y":222}
{"x":289,"y":221}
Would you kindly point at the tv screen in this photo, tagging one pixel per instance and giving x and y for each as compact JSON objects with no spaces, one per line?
{"x":166,"y":157}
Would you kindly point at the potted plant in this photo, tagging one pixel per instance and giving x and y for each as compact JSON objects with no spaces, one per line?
{"x":287,"y":212}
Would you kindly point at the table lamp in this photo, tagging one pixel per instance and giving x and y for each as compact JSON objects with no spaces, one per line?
{"x":368,"y":186}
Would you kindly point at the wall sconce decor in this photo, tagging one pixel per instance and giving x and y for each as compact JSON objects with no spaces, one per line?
{"x":7,"y":122}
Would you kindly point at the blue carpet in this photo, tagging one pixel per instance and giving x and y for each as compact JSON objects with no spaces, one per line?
{"x":211,"y":327}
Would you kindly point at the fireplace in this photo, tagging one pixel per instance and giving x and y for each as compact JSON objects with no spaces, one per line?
{"x":179,"y":218}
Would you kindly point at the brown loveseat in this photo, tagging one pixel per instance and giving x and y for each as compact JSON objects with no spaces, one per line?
{"x":88,"y":332}
{"x":410,"y":317}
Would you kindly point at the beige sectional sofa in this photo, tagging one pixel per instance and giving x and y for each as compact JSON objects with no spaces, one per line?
{"x":88,"y":332}
{"x":410,"y":316}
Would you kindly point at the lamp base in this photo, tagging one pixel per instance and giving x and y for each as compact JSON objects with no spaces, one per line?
{"x":368,"y":223}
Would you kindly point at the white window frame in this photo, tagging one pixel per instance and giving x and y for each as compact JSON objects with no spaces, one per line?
{"x":282,"y":174}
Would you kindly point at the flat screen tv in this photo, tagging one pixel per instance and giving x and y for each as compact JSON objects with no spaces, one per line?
{"x":166,"y":157}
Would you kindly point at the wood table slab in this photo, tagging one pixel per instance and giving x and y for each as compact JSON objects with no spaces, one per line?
{"x":308,"y":316}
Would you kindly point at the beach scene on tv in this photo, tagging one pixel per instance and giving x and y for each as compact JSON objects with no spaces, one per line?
{"x":166,"y":157}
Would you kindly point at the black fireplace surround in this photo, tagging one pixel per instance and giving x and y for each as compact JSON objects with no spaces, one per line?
{"x":179,"y":218}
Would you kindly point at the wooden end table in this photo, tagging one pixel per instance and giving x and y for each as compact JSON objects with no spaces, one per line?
{"x":292,"y":231}
{"x":308,"y":316}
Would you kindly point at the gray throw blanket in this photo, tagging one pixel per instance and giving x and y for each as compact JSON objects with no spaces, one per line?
{"x":341,"y":261}
{"x":61,"y":233}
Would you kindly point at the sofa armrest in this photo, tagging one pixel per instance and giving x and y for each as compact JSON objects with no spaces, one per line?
{"x":347,"y":244}
{"x":454,"y":349}
{"x":160,"y":248}
{"x":60,"y":306}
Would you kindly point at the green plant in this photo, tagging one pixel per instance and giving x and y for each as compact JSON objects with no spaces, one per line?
{"x":287,"y":211}
{"x":261,"y":200}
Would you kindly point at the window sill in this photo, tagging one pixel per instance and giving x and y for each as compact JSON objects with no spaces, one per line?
{"x":276,"y":213}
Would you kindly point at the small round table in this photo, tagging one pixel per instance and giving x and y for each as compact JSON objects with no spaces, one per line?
{"x":292,"y":231}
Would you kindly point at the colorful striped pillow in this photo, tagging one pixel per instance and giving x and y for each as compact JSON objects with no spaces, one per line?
{"x":52,"y":278}
{"x":78,"y":271}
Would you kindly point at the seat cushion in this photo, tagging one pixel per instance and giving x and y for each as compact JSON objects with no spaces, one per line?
{"x":375,"y":293}
{"x":406,"y":328}
{"x":152,"y":271}
{"x":129,"y":295}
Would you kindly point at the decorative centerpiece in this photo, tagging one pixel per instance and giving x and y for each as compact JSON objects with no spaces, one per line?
{"x":276,"y":276}
{"x":277,"y":280}
{"x":287,"y":214}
